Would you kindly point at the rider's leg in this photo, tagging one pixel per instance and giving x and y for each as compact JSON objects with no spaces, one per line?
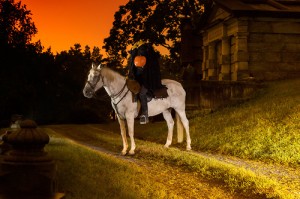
{"x":144,"y":106}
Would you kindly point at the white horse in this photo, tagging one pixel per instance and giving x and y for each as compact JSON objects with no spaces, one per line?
{"x":126,"y":109}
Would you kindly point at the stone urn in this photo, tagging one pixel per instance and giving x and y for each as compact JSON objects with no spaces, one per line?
{"x":27,"y":143}
{"x":27,"y":168}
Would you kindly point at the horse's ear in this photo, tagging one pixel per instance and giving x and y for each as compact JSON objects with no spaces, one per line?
{"x":93,"y":66}
{"x":99,"y":67}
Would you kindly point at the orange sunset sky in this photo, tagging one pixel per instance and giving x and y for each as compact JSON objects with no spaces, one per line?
{"x":62,"y":23}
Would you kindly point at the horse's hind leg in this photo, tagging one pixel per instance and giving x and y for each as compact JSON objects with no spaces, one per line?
{"x":170,"y":122}
{"x":185,"y":123}
{"x":123,"y":134}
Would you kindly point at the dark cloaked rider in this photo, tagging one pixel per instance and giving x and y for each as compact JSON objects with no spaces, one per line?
{"x":144,"y":68}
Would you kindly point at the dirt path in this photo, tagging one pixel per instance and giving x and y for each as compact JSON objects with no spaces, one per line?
{"x":183,"y":182}
{"x":285,"y":175}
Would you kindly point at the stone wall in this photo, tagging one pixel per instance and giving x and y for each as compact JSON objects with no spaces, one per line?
{"x":274,"y":48}
{"x":265,"y":48}
{"x":215,"y":94}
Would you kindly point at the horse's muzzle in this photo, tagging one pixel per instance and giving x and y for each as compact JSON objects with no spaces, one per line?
{"x":89,"y":93}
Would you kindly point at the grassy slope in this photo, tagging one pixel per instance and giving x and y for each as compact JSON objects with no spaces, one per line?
{"x":265,"y":128}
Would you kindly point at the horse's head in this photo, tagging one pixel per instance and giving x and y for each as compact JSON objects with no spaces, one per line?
{"x":94,"y":81}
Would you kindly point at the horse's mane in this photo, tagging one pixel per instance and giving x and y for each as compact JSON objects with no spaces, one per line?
{"x":110,"y":74}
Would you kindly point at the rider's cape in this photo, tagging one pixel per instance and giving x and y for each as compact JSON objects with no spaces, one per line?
{"x":150,"y":76}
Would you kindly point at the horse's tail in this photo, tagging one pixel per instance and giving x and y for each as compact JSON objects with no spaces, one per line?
{"x":180,"y":128}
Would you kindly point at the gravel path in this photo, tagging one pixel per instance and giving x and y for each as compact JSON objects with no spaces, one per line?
{"x":182,"y":183}
{"x":282,"y":174}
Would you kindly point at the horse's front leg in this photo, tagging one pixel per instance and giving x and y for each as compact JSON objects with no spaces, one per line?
{"x":130,"y":126}
{"x":123,"y":134}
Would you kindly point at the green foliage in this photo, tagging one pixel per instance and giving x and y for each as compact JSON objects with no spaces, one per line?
{"x":157,"y":21}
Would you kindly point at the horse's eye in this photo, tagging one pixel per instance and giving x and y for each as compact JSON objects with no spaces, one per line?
{"x":95,"y":78}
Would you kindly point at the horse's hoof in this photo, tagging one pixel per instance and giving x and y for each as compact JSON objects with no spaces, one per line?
{"x":123,"y":152}
{"x":166,"y":146}
{"x":131,"y":152}
{"x":188,"y":148}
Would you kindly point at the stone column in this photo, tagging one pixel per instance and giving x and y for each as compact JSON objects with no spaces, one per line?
{"x":241,"y":56}
{"x":205,"y":61}
{"x":225,"y":68}
{"x":212,"y":59}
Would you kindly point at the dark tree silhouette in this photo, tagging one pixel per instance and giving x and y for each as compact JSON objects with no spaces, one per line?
{"x":157,"y":21}
{"x":74,"y":65}
{"x":16,"y":26}
{"x":37,"y":84}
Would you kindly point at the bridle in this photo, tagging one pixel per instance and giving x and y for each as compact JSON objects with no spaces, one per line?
{"x":99,"y":77}
{"x":112,"y":96}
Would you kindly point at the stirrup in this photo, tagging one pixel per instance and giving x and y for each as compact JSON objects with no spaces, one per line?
{"x":144,"y":119}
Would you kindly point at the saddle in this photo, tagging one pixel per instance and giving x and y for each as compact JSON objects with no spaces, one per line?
{"x":135,"y":88}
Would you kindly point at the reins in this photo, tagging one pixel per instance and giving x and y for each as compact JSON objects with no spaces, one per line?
{"x":112,"y":96}
{"x":116,"y":104}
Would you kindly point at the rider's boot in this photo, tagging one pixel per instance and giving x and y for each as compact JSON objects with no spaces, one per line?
{"x":144,"y":106}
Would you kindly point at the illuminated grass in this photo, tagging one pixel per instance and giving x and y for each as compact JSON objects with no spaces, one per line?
{"x":236,"y":179}
{"x":84,"y":173}
{"x":266,"y":128}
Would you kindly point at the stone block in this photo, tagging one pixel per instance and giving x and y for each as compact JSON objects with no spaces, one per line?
{"x":262,"y":66}
{"x":288,"y":66}
{"x":291,"y":57}
{"x":211,"y":64}
{"x":256,"y":38}
{"x":265,"y":47}
{"x":243,"y":75}
{"x":243,"y":22}
{"x":225,"y":69}
{"x":242,"y":28}
{"x":241,"y":56}
{"x":203,"y":66}
{"x":290,"y":38}
{"x":242,"y":66}
{"x":272,"y":38}
{"x":211,"y":72}
{"x":260,"y":26}
{"x":241,"y":44}
{"x":225,"y":59}
{"x":256,"y":57}
{"x":234,"y":76}
{"x":292,"y":47}
{"x":225,"y":76}
{"x":271,"y":56}
{"x":286,"y":27}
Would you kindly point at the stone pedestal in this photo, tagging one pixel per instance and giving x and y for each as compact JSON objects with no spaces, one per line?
{"x":26,"y":170}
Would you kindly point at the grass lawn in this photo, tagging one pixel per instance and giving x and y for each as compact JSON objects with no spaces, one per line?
{"x":85,"y":173}
{"x":264,"y":129}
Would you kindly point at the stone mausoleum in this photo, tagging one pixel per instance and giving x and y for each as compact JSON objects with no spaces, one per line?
{"x":246,"y":39}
